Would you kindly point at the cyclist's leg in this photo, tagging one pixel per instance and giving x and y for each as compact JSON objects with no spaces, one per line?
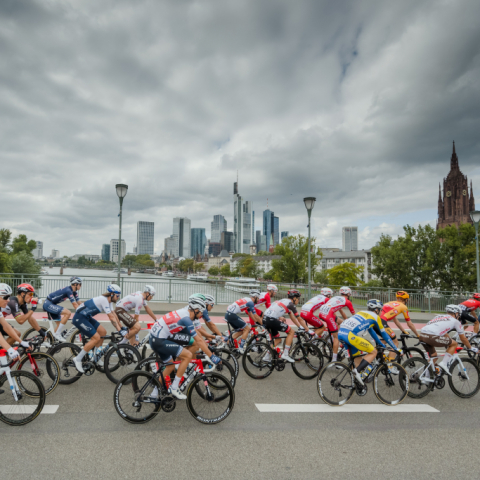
{"x":359,"y":343}
{"x":332,"y":326}
{"x":468,"y":317}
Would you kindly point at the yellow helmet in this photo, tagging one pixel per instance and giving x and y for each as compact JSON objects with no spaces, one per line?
{"x":402,"y":294}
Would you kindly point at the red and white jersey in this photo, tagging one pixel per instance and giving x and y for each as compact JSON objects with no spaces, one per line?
{"x":132,"y":301}
{"x":334,"y":305}
{"x":244,"y":305}
{"x":314,"y":303}
{"x":281,"y":308}
{"x":264,"y":299}
{"x":442,"y":324}
{"x":168,"y":324}
{"x":470,"y":305}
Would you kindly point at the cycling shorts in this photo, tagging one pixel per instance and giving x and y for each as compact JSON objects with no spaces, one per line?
{"x":311,"y":319}
{"x":356,"y":345}
{"x":467,"y":317}
{"x":331,"y":321}
{"x":432,"y":341}
{"x":53,"y":310}
{"x":170,"y":348}
{"x":275,"y":326}
{"x":235,"y":321}
{"x":125,"y":317}
{"x":88,"y":326}
{"x":389,"y":331}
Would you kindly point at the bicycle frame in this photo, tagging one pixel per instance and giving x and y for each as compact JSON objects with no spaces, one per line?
{"x":423,"y":377}
{"x":51,"y":328}
{"x":5,"y":369}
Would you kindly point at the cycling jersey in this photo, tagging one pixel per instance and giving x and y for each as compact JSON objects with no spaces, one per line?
{"x":470,"y":305}
{"x":442,"y":324}
{"x":172,"y":323}
{"x":366,"y":322}
{"x":334,"y":305}
{"x":14,"y":309}
{"x":132,"y":301}
{"x":314,"y":303}
{"x":243,"y":305}
{"x":94,"y":306}
{"x":281,"y":308}
{"x":391,"y":309}
{"x":63,"y":294}
{"x":206,"y":316}
{"x":264,"y":299}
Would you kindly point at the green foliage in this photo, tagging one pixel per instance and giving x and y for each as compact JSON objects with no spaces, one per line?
{"x":24,"y":262}
{"x":84,"y":261}
{"x":321,"y":277}
{"x":264,"y":253}
{"x":22,"y":244}
{"x":5,"y":237}
{"x":345,"y":274}
{"x":5,"y":263}
{"x":138,"y":261}
{"x":16,"y":257}
{"x":214,"y":271}
{"x":269,"y":275}
{"x":236,"y":255}
{"x":373,"y":283}
{"x":225,"y":271}
{"x":248,"y":267}
{"x":185,"y":265}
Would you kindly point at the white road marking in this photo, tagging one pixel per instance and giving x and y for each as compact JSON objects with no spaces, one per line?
{"x":349,"y":408}
{"x":25,"y":409}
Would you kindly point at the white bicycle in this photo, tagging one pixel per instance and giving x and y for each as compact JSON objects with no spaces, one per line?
{"x":69,"y":335}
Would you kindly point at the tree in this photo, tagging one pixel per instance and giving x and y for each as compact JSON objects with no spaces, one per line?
{"x":269,"y":275}
{"x":198,"y":267}
{"x":24,"y":262}
{"x":214,"y":271}
{"x":22,"y":244}
{"x":5,"y":237}
{"x":225,"y":270}
{"x":321,"y":277}
{"x":293,"y":266}
{"x":264,"y":253}
{"x":248,"y":267}
{"x":5,"y":263}
{"x":236,"y":255}
{"x":345,"y":274}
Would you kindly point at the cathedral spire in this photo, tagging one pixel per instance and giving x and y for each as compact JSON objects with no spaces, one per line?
{"x":439,"y":192}
{"x":454,"y":159}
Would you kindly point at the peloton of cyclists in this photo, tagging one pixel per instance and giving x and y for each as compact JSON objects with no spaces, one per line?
{"x":468,"y":308}
{"x":309,"y":309}
{"x":265,"y":299}
{"x":57,"y":312}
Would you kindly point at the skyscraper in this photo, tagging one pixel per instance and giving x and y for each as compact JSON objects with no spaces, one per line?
{"x":226,"y":241}
{"x":283,"y":235}
{"x":269,"y":227}
{"x":349,"y":239}
{"x":181,"y":231}
{"x":38,"y":251}
{"x":242,"y":222}
{"x":106,"y":252}
{"x":171,"y":246}
{"x":276,"y":231}
{"x":260,"y":241}
{"x":114,"y":250}
{"x":198,"y":241}
{"x":218,"y":226}
{"x":145,"y":238}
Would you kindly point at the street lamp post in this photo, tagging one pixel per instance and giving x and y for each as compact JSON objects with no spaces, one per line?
{"x":121,"y":193}
{"x":309,"y":204}
{"x":475,"y":216}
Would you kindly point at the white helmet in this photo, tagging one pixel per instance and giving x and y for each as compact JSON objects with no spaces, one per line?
{"x":197,"y":303}
{"x":272,"y":287}
{"x":255,"y":293}
{"x":453,"y":309}
{"x":209,"y":300}
{"x":149,"y":289}
{"x":345,"y":291}
{"x":326,"y":291}
{"x":5,"y":290}
{"x":113,"y":288}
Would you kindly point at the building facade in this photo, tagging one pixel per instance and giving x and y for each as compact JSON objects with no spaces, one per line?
{"x":349,"y":239}
{"x":456,"y":202}
{"x":276,"y":231}
{"x":226,"y":239}
{"x":260,"y":241}
{"x":181,"y":231}
{"x":218,"y":226}
{"x":264,"y":262}
{"x":145,"y":238}
{"x":214,"y":248}
{"x":198,"y":241}
{"x":114,"y":250}
{"x":242,"y":222}
{"x":38,"y":251}
{"x":361,"y":258}
{"x":170,"y":246}
{"x":105,"y":252}
{"x":283,"y":235}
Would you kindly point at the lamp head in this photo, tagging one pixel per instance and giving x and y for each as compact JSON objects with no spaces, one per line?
{"x":121,"y":190}
{"x":475,"y":216}
{"x":309,"y":203}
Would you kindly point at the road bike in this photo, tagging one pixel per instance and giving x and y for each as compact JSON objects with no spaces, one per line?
{"x":22,"y":396}
{"x":140,"y":395}
{"x":337,"y":381}
{"x":50,"y":340}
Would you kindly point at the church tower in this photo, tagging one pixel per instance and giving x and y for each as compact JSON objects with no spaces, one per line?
{"x":456,"y":203}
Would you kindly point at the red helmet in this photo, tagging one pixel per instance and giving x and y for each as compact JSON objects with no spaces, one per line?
{"x":25,"y":288}
{"x":476,"y":296}
{"x":293,"y":294}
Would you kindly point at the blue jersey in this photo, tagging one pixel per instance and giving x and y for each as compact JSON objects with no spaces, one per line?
{"x":206,"y":316}
{"x":63,"y":294}
{"x":95,"y":306}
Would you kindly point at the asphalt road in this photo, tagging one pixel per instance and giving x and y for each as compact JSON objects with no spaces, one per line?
{"x":87,"y":438}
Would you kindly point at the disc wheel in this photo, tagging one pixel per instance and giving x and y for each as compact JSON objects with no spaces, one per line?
{"x":464,"y":383}
{"x":210,"y":405}
{"x":131,"y":396}
{"x":254,"y":362}
{"x":29,"y":401}
{"x":121,"y":360}
{"x":419,"y":372}
{"x":63,"y":353}
{"x":44,"y":367}
{"x":389,"y":387}
{"x":308,"y":360}
{"x":335,"y":384}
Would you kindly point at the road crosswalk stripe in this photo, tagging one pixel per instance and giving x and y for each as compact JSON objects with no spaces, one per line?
{"x":25,"y":409}
{"x":349,"y":408}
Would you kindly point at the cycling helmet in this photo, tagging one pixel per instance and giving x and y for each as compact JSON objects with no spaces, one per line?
{"x":326,"y":291}
{"x":114,"y":289}
{"x":293,"y":294}
{"x":197,"y":303}
{"x":272,"y":287}
{"x":209,"y":300}
{"x":374,"y":304}
{"x":75,"y":281}
{"x":150,"y":290}
{"x":254,"y":293}
{"x":453,"y":309}
{"x":5,"y":290}
{"x":201,"y":296}
{"x":25,"y":288}
{"x":476,"y":296}
{"x":345,"y":291}
{"x":402,"y":294}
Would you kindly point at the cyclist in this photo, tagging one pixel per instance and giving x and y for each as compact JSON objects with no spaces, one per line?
{"x":210,"y":302}
{"x":88,"y":326}
{"x":275,"y":322}
{"x":354,"y":328}
{"x":468,"y":308}
{"x":390,"y":311}
{"x":327,"y":314}
{"x":309,"y":309}
{"x":435,"y":334}
{"x":134,"y":301}
{"x":243,"y":305}
{"x":174,"y":331}
{"x":17,"y":307}
{"x":265,"y":299}
{"x":57,"y":312}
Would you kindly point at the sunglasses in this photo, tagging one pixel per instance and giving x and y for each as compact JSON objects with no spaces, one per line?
{"x":6,"y":297}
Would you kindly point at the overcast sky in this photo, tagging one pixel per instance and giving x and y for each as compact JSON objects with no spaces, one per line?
{"x":355,"y":103}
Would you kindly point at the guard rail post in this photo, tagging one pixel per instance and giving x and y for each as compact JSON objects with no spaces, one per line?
{"x":169,"y":290}
{"x":429,"y":303}
{"x":216,"y":291}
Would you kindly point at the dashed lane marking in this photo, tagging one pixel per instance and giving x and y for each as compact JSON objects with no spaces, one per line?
{"x":349,"y":408}
{"x":26,"y":409}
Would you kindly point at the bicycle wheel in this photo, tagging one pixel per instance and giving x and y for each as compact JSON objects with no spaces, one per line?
{"x":226,"y":370}
{"x":464,"y":383}
{"x":131,"y":397}
{"x":419,"y":373}
{"x":389,"y":387}
{"x":44,"y":367}
{"x":413,"y":352}
{"x":226,"y":356}
{"x":48,"y":342}
{"x":29,"y":401}
{"x":308,"y":360}
{"x":335,"y":384}
{"x":324,"y":347}
{"x":75,"y":337}
{"x":63,"y":353}
{"x":254,"y":363}
{"x":210,"y":405}
{"x":121,"y":360}
{"x":260,"y":338}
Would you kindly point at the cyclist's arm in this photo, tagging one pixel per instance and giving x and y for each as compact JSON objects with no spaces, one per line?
{"x":383,"y":333}
{"x":410,"y":323}
{"x":254,"y":316}
{"x":213,"y":328}
{"x":200,"y":343}
{"x":465,"y":341}
{"x":9,"y":330}
{"x":205,"y":334}
{"x":25,"y":317}
{"x":149,"y":311}
{"x":344,"y":315}
{"x":3,"y":343}
{"x":294,"y":319}
{"x":112,"y":316}
{"x":76,"y":304}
